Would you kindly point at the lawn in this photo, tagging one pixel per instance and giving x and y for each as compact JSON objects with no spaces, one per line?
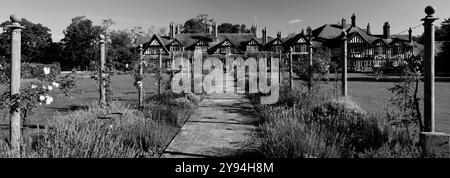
{"x":374,"y":98}
{"x":121,"y":85}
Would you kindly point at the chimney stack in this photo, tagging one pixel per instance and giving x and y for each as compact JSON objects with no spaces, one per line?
{"x":353,"y":20}
{"x":387,"y":30}
{"x":214,"y":31}
{"x":279,"y":35}
{"x":264,"y":35}
{"x":368,"y":29}
{"x":344,"y":23}
{"x":303,"y":31}
{"x":410,"y":34}
{"x":254,"y":30}
{"x":171,"y":31}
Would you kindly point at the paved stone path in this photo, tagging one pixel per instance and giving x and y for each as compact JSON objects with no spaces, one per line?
{"x":220,"y":127}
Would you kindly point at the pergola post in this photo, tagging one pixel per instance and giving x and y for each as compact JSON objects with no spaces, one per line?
{"x":291,"y":78}
{"x":344,"y":65}
{"x":310,"y":52}
{"x":141,"y":74}
{"x":15,"y":130}
{"x":160,"y":72}
{"x":101,"y":74}
{"x":429,"y":47}
{"x":430,"y":140}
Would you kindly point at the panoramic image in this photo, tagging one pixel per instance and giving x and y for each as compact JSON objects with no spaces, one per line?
{"x":248,"y":79}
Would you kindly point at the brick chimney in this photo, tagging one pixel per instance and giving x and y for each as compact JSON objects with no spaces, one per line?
{"x":279,"y":35}
{"x":171,"y":31}
{"x":264,"y":35}
{"x":214,"y":32}
{"x":353,"y":20}
{"x":410,"y":34}
{"x":344,"y":23}
{"x":368,"y":29}
{"x":254,"y":30}
{"x":386,"y":30}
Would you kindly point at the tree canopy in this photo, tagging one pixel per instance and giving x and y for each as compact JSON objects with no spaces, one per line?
{"x":232,"y":28}
{"x":81,"y":41}
{"x":199,"y":24}
{"x":36,"y":38}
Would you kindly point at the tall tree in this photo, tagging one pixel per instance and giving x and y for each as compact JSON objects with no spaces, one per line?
{"x":35,"y":39}
{"x":81,"y":42}
{"x":232,"y":28}
{"x":199,"y":24}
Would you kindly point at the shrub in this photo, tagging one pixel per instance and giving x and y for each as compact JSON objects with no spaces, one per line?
{"x":81,"y":134}
{"x":33,"y":70}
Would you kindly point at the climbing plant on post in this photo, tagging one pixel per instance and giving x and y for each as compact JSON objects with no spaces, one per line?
{"x":15,"y":130}
{"x":159,"y":72}
{"x":101,"y":74}
{"x":139,"y":78}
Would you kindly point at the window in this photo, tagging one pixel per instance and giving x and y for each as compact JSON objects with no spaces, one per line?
{"x":398,"y":48}
{"x":176,"y":48}
{"x":277,"y":48}
{"x":252,"y":48}
{"x":152,"y":51}
{"x":201,"y":48}
{"x":301,"y":48}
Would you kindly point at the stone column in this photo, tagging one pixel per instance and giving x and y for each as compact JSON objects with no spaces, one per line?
{"x":429,"y":47}
{"x":101,"y":74}
{"x":15,"y":130}
{"x":291,"y":66}
{"x":160,"y":72}
{"x":310,"y":52}
{"x":141,"y":74}
{"x":344,"y":64}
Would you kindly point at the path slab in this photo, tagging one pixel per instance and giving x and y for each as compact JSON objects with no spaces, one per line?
{"x":220,"y":127}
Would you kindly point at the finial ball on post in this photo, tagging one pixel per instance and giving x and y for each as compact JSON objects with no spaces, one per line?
{"x":429,"y":10}
{"x":102,"y":37}
{"x":15,"y":18}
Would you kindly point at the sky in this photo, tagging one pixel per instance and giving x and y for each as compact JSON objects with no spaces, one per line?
{"x":278,"y":15}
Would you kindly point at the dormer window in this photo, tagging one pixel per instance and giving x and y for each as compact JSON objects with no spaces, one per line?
{"x":252,"y":46}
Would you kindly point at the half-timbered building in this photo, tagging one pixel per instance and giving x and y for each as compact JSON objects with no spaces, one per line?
{"x":366,"y":51}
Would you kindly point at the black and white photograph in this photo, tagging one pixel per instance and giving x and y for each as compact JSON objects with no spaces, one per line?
{"x":216,"y":87}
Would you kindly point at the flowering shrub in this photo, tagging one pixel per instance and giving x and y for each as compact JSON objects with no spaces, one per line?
{"x":42,"y":92}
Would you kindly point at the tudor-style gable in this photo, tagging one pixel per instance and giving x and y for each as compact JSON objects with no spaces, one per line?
{"x":201,"y":45}
{"x":175,"y":46}
{"x":300,"y":46}
{"x":276,"y":45}
{"x":226,"y":47}
{"x":154,"y":46}
{"x":252,"y":46}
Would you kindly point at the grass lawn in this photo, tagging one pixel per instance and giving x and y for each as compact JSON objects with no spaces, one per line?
{"x":374,"y":98}
{"x":122,"y":87}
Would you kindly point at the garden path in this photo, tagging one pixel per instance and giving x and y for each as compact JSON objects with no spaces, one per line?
{"x":220,"y":127}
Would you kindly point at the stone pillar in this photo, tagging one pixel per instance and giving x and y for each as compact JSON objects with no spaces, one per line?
{"x":429,"y":47}
{"x":101,"y":74}
{"x":141,"y":74}
{"x":344,"y":64}
{"x":160,"y":72}
{"x":15,"y":130}
{"x":310,"y":52}
{"x":291,"y":66}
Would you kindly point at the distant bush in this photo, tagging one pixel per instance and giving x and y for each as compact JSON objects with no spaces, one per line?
{"x":33,"y":70}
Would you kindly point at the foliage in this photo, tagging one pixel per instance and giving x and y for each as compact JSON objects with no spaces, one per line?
{"x":81,"y":42}
{"x":230,"y":28}
{"x":311,"y":125}
{"x":321,"y":64}
{"x":405,"y":95}
{"x":106,"y":78}
{"x":48,"y":86}
{"x":199,"y":24}
{"x":36,"y":39}
{"x":81,"y":134}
